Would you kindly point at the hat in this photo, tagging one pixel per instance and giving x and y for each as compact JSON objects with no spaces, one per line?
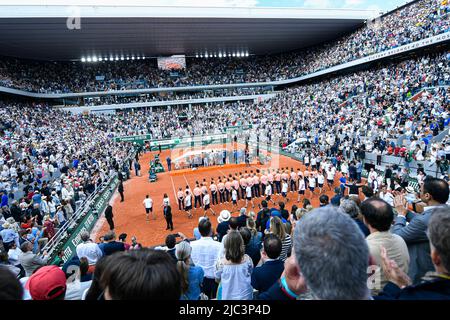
{"x":47,"y":283}
{"x":409,"y":189}
{"x":243,"y":211}
{"x":225,"y":215}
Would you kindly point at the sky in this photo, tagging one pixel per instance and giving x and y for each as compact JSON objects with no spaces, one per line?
{"x":378,"y":5}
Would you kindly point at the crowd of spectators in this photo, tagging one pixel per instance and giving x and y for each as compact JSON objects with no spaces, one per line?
{"x":351,"y":249}
{"x":51,"y":162}
{"x":173,"y":96}
{"x":421,"y":19}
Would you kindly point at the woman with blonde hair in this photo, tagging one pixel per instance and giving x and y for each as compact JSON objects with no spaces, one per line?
{"x":279,"y":229}
{"x":255,"y":242}
{"x":234,"y":270}
{"x":191,"y":276}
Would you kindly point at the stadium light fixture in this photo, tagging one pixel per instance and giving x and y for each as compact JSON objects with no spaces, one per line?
{"x":143,"y":58}
{"x":94,"y":59}
{"x":220,"y":54}
{"x":138,"y":57}
{"x":128,"y":58}
{"x":206,"y":55}
{"x":117,"y":58}
{"x":234,"y":54}
{"x":89,"y":59}
{"x":246,"y":54}
{"x":111,"y":58}
{"x":196,"y":55}
{"x":100,"y":59}
{"x":83,"y":59}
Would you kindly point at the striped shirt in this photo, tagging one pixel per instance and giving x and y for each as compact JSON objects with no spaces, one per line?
{"x":286,"y":247}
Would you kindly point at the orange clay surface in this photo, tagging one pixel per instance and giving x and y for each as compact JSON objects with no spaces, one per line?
{"x":130,"y":217}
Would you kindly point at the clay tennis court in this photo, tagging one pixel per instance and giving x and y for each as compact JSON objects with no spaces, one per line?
{"x":130,"y":217}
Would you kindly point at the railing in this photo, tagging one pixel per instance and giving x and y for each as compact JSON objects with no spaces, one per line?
{"x":87,"y":213}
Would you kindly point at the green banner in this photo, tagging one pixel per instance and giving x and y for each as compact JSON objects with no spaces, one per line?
{"x":85,"y":222}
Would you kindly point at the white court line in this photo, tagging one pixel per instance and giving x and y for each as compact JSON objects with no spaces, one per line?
{"x":187,"y":182}
{"x":174,"y":192}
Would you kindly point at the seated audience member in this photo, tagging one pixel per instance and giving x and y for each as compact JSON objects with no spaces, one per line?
{"x":330,"y":256}
{"x":96,"y":291}
{"x":123,"y":238}
{"x":191,"y":276}
{"x":262,"y":217}
{"x":140,"y":275}
{"x":10,"y":287}
{"x":367,"y":192}
{"x":47,"y":283}
{"x":279,"y":229}
{"x":435,"y":193}
{"x":233,"y":271}
{"x":197,"y":234}
{"x":378,"y":216}
{"x":85,"y":275}
{"x":171,"y":241}
{"x":284,"y":213}
{"x":242,"y":219}
{"x":436,"y":285}
{"x":89,"y":249}
{"x":255,"y":241}
{"x":264,"y":276}
{"x":351,"y":208}
{"x":324,"y":200}
{"x":205,"y":253}
{"x":224,"y":224}
{"x":29,"y":260}
{"x":252,"y":251}
{"x":336,"y":200}
{"x":111,"y":245}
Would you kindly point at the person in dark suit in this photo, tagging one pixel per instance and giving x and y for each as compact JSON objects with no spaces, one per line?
{"x":120,"y":189}
{"x":242,"y":219}
{"x":109,"y":217}
{"x":435,"y":193}
{"x":171,"y":241}
{"x":168,"y":216}
{"x":435,"y":285}
{"x":265,"y":276}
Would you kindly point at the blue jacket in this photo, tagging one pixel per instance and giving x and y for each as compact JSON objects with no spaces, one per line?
{"x":4,"y":200}
{"x":265,"y":276}
{"x":435,"y":289}
{"x":417,"y":241}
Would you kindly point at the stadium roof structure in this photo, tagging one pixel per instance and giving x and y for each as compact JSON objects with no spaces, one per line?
{"x":42,"y":32}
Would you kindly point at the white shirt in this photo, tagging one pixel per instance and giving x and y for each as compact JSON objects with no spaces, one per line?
{"x":205,"y":253}
{"x":268,"y":190}
{"x":206,"y":199}
{"x":187,"y":200}
{"x":90,"y":250}
{"x":248,"y":191}
{"x":284,"y":187}
{"x":301,"y":184}
{"x":320,"y":179}
{"x":166,"y":202}
{"x":148,"y":203}
{"x":234,"y":194}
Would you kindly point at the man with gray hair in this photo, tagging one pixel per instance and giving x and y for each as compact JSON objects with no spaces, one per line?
{"x":330,"y":257}
{"x":88,"y":249}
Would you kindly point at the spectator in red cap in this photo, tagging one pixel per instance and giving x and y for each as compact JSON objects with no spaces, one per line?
{"x":47,"y":283}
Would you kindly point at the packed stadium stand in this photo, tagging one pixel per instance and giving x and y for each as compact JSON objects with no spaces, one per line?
{"x":360,"y":123}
